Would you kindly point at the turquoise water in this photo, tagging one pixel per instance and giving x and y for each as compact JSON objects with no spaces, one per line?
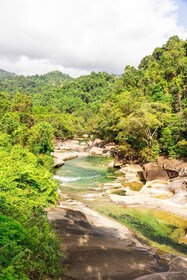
{"x":85,"y":173}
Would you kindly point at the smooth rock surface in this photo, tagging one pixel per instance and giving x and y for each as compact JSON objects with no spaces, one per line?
{"x":99,"y":248}
{"x":96,"y":151}
{"x":165,"y":276}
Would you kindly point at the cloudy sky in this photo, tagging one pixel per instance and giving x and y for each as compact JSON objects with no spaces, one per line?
{"x":79,"y":36}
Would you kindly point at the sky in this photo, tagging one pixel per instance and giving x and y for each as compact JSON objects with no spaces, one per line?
{"x":80,"y":36}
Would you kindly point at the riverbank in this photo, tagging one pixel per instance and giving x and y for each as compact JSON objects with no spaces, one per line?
{"x":88,"y":235}
{"x":100,"y":248}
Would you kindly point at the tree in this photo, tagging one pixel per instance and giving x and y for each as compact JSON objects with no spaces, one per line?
{"x":40,"y":139}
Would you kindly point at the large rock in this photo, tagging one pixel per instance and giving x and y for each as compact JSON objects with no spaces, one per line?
{"x":158,"y":189}
{"x":151,"y":166}
{"x":67,"y":156}
{"x":179,"y":189}
{"x":179,"y":184}
{"x":58,"y":162}
{"x":96,"y":142}
{"x":131,"y":172}
{"x":174,"y":164}
{"x":73,"y":147}
{"x":175,"y":275}
{"x":133,"y":185}
{"x":155,"y":174}
{"x":96,"y":151}
{"x":153,"y":171}
{"x":180,"y":198}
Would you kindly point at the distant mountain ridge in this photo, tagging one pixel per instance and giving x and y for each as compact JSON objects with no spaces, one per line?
{"x":12,"y":82}
{"x":5,"y":74}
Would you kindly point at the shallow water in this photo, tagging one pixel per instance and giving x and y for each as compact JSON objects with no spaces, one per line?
{"x":85,"y":173}
{"x":82,"y":179}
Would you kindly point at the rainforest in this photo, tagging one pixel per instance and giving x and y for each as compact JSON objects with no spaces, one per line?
{"x":143,"y":112}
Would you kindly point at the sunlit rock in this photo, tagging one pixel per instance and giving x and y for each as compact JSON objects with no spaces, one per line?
{"x":133,"y":185}
{"x":157,"y":189}
{"x":96,"y":151}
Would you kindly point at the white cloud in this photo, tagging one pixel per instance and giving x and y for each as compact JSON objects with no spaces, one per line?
{"x":77,"y":36}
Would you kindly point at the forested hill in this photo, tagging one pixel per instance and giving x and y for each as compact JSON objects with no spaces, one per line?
{"x":4,"y":74}
{"x":148,"y":110}
{"x":144,"y":111}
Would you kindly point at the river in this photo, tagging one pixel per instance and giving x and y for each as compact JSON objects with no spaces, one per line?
{"x":88,"y":236}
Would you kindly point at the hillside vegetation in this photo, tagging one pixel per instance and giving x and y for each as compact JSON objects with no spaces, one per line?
{"x":144,"y":111}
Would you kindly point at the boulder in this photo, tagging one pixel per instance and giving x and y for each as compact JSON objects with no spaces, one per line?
{"x":158,"y":189}
{"x":179,"y":184}
{"x":151,"y":166}
{"x":133,"y":185}
{"x":97,"y":142}
{"x":131,"y":168}
{"x":58,"y":162}
{"x":175,"y":275}
{"x":131,"y":172}
{"x":72,"y":147}
{"x":153,"y":171}
{"x":109,"y":148}
{"x":155,"y":174}
{"x":67,"y":156}
{"x":180,"y":198}
{"x":179,"y":188}
{"x":174,"y":164}
{"x":96,"y":151}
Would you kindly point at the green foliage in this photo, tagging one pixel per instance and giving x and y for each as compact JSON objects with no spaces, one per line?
{"x":29,"y":248}
{"x":40,"y":138}
{"x":148,"y":107}
{"x":9,"y":123}
{"x":181,"y":148}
